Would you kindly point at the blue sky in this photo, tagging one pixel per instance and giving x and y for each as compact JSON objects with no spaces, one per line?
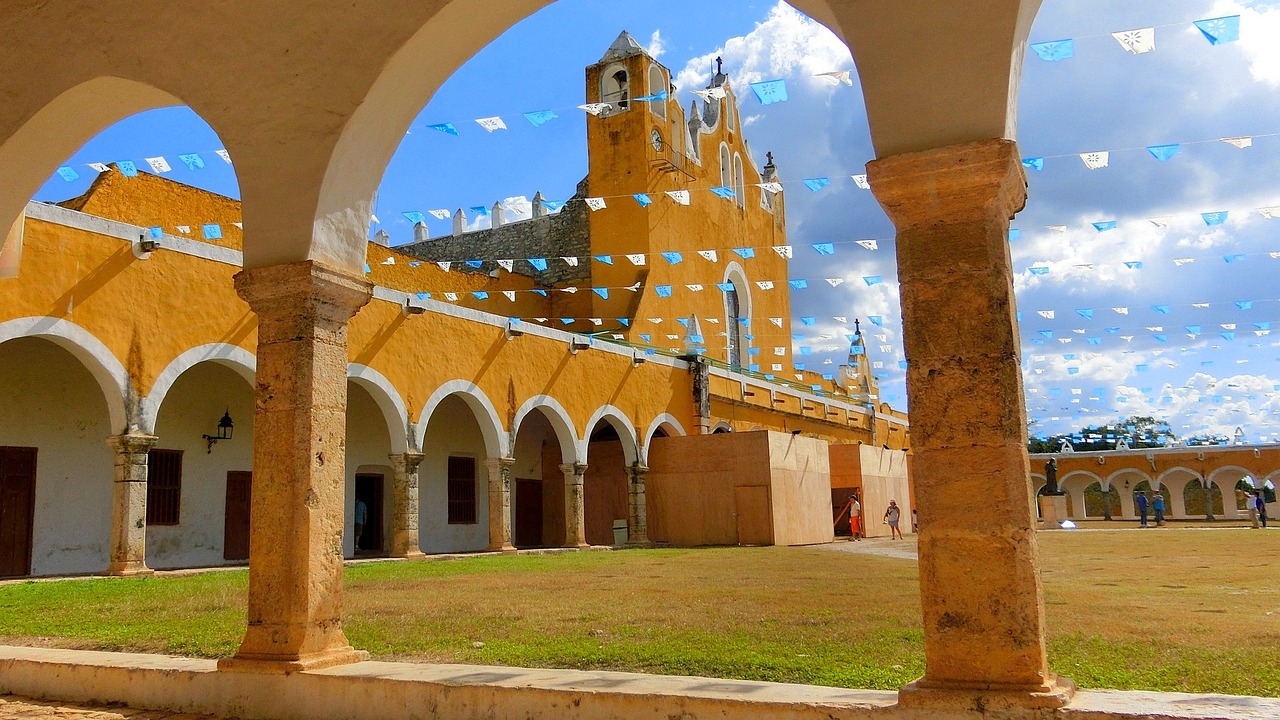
{"x":1185,"y":91}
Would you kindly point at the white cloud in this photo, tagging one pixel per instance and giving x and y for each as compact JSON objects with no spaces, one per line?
{"x":656,"y":45}
{"x":787,"y":44}
{"x":1259,"y":28}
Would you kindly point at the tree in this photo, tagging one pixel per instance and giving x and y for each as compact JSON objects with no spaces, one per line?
{"x":1137,"y":431}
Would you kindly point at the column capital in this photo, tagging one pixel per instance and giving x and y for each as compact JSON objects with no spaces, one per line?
{"x":410,"y":458}
{"x":306,"y":290}
{"x":957,"y":183}
{"x":499,"y":463}
{"x":638,"y":468}
{"x":576,"y":469}
{"x":132,"y":442}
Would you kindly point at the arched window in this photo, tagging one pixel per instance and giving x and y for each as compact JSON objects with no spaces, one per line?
{"x":726,"y":166}
{"x":732,"y":315}
{"x":737,"y":313}
{"x":739,"y":183}
{"x":615,"y":88}
{"x":727,"y":109}
{"x":657,"y":83}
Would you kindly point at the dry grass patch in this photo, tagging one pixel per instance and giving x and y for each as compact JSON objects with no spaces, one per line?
{"x":1168,"y":609}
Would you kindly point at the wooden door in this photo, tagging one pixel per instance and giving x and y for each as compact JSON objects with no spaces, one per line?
{"x":235,"y":544}
{"x":369,"y":490}
{"x":755,"y":526}
{"x":528,"y":530}
{"x":17,"y":509}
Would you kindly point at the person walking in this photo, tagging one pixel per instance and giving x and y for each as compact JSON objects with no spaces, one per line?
{"x":1157,"y":506}
{"x":361,"y":516}
{"x":892,"y":516}
{"x":1259,"y":511}
{"x":1141,"y":502}
{"x":855,"y":517}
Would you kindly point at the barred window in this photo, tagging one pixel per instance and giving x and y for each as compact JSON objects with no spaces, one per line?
{"x":164,"y":487}
{"x":462,"y":491}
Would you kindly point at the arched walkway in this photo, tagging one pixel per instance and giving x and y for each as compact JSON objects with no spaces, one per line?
{"x":197,"y":494}
{"x":611,"y":454}
{"x":54,"y":425}
{"x":545,"y":477}
{"x":454,"y":479}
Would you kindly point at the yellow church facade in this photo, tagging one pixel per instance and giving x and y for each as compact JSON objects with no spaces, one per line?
{"x":128,"y":366}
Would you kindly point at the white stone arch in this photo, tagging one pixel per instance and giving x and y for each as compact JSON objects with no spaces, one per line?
{"x":734,"y":273}
{"x":69,"y":118}
{"x":621,"y":423}
{"x":657,"y":84}
{"x":1177,"y":469}
{"x":663,"y":419}
{"x":243,"y":362}
{"x":389,"y":402}
{"x":560,"y":421}
{"x":721,"y":426}
{"x":1087,"y":478}
{"x":495,"y":440}
{"x":96,"y":357}
{"x":1118,"y":474}
{"x":618,"y":93}
{"x":1234,"y":471}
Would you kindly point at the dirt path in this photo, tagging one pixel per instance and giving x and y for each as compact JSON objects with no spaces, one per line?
{"x":900,"y":549}
{"x":13,"y":707}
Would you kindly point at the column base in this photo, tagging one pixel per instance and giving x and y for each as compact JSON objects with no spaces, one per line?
{"x":275,"y":665}
{"x":132,"y":568}
{"x":411,"y":555}
{"x":988,"y":697}
{"x":507,"y":549}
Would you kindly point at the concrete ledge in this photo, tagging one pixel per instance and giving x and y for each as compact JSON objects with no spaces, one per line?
{"x":379,"y":690}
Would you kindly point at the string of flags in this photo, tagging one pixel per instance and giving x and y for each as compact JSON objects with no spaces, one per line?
{"x":1098,"y":159}
{"x":1093,"y":160}
{"x":158,"y":165}
{"x":767,"y":92}
{"x":1139,"y":41}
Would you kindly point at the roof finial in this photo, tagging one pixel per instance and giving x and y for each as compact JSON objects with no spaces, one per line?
{"x":769,"y":161}
{"x":857,"y":330}
{"x":719,"y":70}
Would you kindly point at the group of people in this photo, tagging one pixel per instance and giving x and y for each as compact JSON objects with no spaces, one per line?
{"x":1155,"y":504}
{"x":1257,"y":508}
{"x":892,"y":518}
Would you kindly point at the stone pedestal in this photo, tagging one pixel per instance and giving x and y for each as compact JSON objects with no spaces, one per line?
{"x":638,"y":518}
{"x":575,"y":523}
{"x":404,"y":510}
{"x":295,"y":557}
{"x":129,"y":504}
{"x":979,"y":565}
{"x":500,"y":504}
{"x":1053,"y":510}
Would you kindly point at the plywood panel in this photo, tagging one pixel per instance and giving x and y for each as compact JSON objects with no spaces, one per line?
{"x":754,"y":525}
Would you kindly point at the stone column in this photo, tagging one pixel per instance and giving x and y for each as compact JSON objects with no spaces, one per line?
{"x":404,"y":512}
{"x":295,"y":556}
{"x":979,"y":563}
{"x":638,"y":522}
{"x":500,"y":503}
{"x":129,"y":504}
{"x":575,"y":524}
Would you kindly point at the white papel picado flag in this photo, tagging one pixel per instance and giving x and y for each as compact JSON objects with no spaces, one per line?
{"x":1095,"y":160}
{"x":492,"y":123}
{"x":1142,"y":40}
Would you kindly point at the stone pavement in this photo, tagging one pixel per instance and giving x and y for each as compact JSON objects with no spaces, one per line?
{"x":13,"y":707}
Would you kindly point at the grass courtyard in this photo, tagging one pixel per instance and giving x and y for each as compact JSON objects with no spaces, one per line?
{"x":1181,"y":609}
